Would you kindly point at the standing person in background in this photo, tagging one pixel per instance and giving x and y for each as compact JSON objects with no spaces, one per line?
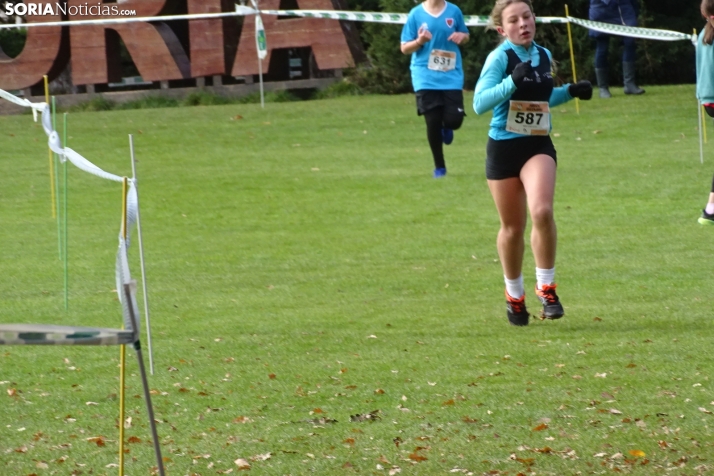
{"x":517,"y":84}
{"x":617,"y":12}
{"x":432,"y":35}
{"x":705,"y":85}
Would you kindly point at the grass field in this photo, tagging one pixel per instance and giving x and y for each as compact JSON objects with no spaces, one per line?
{"x":321,"y":305}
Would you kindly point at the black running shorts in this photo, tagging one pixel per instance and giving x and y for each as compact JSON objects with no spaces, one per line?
{"x":452,"y":100}
{"x":506,"y":158}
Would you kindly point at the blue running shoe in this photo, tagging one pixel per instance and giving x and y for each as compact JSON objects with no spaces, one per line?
{"x":447,"y":136}
{"x":440,"y":172}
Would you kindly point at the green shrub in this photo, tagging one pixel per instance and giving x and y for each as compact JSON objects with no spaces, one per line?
{"x":12,"y":41}
{"x":205,"y":98}
{"x":338,"y":89}
{"x":150,"y":102}
{"x":658,"y":62}
{"x":98,"y":103}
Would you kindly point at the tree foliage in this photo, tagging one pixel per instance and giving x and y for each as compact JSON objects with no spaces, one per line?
{"x":658,"y":62}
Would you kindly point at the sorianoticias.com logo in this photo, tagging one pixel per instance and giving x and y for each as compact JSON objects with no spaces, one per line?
{"x":87,"y":9}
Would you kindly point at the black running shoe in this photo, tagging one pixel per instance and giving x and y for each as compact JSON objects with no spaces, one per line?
{"x":706,"y":218}
{"x":516,"y":311}
{"x":552,"y":309}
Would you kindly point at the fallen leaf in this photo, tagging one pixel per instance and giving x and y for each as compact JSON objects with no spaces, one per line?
{"x":540,"y":427}
{"x":242,"y":464}
{"x":637,"y":453}
{"x":417,"y":457}
{"x":99,"y":440}
{"x":371,"y":416}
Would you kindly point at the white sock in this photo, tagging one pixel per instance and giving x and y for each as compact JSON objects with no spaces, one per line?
{"x":514,"y":287}
{"x":545,"y":276}
{"x":710,"y":208}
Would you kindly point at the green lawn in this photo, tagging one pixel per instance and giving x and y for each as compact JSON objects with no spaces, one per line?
{"x":305,"y":270}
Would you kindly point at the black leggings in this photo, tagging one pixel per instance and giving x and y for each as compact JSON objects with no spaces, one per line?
{"x":437,"y":119}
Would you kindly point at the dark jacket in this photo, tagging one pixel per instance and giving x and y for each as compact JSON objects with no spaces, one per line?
{"x":619,"y":12}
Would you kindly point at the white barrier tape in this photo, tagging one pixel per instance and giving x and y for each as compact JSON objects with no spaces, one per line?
{"x":633,"y":31}
{"x":374,"y":17}
{"x":83,"y":164}
{"x":53,"y":139}
{"x":394,"y":18}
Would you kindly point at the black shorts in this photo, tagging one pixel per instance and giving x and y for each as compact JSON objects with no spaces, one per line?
{"x":506,"y":158}
{"x":452,"y":100}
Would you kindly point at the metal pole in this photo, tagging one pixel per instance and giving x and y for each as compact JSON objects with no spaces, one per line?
{"x":122,"y":350}
{"x":701,"y":122}
{"x":144,"y":381}
{"x":260,"y":74}
{"x":66,"y":247}
{"x":55,"y":188}
{"x":572,"y":58}
{"x":52,"y":176}
{"x":141,"y":255}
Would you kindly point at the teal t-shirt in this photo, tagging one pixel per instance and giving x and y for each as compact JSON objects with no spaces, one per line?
{"x":450,"y":20}
{"x":705,"y":71}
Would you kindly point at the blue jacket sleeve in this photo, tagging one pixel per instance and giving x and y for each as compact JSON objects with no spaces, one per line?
{"x":492,"y":88}
{"x":559,"y":96}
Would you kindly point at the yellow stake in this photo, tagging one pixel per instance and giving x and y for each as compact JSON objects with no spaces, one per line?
{"x":703,"y":124}
{"x":572,"y":58}
{"x":52,"y":171}
{"x":122,"y":350}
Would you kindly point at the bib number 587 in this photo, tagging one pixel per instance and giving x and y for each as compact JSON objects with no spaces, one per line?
{"x":529,"y":118}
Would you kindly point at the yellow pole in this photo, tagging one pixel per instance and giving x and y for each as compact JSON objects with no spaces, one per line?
{"x":572,"y":58}
{"x":122,"y":350}
{"x":52,"y":170}
{"x":703,"y":124}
